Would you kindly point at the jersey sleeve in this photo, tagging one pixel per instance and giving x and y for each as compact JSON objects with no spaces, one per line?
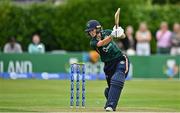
{"x":93,"y":44}
{"x":108,"y":32}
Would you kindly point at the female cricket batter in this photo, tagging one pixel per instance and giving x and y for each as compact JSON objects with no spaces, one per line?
{"x":115,"y":63}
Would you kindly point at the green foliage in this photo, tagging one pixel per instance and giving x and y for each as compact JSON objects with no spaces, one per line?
{"x":62,"y":27}
{"x":165,"y":2}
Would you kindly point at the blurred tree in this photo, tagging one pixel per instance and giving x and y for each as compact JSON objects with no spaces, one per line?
{"x":62,"y":26}
{"x":162,"y":2}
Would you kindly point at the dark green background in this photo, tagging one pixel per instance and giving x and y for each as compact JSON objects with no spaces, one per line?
{"x":62,"y":27}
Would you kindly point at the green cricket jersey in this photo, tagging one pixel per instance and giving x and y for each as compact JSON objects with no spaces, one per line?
{"x":108,"y":52}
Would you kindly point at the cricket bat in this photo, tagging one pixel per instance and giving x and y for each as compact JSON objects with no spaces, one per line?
{"x":116,"y":17}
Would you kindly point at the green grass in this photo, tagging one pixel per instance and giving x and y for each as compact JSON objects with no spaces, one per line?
{"x":53,"y":95}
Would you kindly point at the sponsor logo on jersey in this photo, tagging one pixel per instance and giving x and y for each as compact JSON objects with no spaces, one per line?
{"x":105,"y":49}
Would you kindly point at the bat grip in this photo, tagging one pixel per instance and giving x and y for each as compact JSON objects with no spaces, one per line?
{"x":116,"y":29}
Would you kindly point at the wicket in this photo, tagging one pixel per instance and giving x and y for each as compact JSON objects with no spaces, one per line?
{"x":77,"y":71}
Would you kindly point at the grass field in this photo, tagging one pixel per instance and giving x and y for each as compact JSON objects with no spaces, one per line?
{"x":53,"y":96}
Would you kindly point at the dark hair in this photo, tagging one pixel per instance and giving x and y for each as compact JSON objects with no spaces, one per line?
{"x":12,"y":39}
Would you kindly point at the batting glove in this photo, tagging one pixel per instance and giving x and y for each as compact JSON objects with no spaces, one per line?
{"x":117,"y":32}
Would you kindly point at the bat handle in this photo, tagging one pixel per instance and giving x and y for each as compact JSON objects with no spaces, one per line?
{"x":116,"y":29}
{"x":123,"y":36}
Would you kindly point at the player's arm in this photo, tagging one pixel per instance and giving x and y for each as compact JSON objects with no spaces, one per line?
{"x":149,"y":36}
{"x":138,"y":37}
{"x":105,"y":41}
{"x":116,"y":33}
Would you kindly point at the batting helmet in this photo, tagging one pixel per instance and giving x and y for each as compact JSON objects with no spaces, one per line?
{"x":92,"y":24}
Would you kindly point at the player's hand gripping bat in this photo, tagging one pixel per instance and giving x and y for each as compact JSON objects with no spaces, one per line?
{"x":116,"y":17}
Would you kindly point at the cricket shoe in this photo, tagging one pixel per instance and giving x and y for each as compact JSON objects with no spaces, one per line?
{"x":109,"y":109}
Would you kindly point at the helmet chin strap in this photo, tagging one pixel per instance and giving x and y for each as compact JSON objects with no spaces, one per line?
{"x":97,"y":32}
{"x":97,"y":37}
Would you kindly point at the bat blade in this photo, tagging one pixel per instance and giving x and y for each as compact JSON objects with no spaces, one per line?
{"x":116,"y":17}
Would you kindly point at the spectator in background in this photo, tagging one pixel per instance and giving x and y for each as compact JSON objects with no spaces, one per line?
{"x":163,"y":37}
{"x":175,"y":37}
{"x":36,"y":46}
{"x":122,"y":44}
{"x":143,"y":37}
{"x":12,"y":46}
{"x":130,"y":40}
